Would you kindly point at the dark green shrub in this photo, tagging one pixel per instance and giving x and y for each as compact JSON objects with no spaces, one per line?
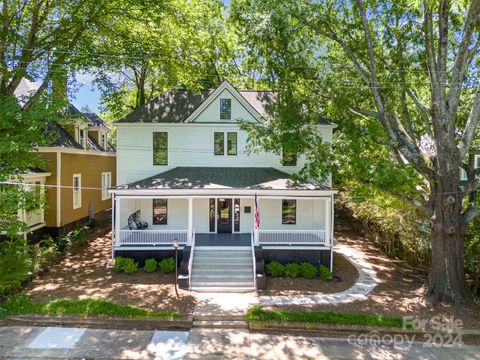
{"x":292,"y":270}
{"x":150,"y":265}
{"x":44,"y":254}
{"x":129,"y":266}
{"x":15,"y":264}
{"x":275,"y":269}
{"x":119,"y":261}
{"x":308,"y":271}
{"x":167,"y":265}
{"x":325,"y":273}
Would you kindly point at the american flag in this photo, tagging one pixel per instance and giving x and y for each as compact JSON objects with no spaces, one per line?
{"x":257,"y":214}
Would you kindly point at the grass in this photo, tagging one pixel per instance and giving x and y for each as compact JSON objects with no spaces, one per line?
{"x":22,"y":304}
{"x":324,"y":317}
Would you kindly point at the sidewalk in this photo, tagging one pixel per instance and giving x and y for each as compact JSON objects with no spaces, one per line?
{"x":219,"y":344}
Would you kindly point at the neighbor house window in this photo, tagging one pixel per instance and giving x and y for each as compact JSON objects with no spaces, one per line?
{"x":103,"y":140}
{"x":160,"y":148}
{"x":289,"y":211}
{"x":106,"y":183}
{"x":160,"y":211}
{"x":219,"y":143}
{"x":225,"y":109}
{"x":232,"y":143}
{"x":77,"y":191}
{"x":289,"y":158}
{"x":82,"y":136}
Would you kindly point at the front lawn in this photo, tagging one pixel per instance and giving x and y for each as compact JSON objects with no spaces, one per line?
{"x":323,"y":317}
{"x":21,"y":304}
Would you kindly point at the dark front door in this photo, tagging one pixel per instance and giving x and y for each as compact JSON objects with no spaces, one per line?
{"x":224,"y":216}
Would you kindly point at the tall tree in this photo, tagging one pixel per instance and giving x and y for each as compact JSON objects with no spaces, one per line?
{"x":410,"y":71}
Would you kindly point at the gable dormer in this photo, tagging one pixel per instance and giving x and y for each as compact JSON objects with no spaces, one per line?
{"x":98,"y":129}
{"x":224,"y":105}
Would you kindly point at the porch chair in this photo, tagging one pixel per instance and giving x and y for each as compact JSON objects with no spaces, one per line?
{"x":134,"y":222}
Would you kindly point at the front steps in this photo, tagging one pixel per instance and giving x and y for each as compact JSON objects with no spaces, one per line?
{"x":222,"y":269}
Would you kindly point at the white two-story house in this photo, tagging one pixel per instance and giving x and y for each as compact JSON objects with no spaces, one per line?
{"x":185,"y":174}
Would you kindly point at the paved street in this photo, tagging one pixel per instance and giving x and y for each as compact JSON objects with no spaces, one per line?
{"x":70,"y":343}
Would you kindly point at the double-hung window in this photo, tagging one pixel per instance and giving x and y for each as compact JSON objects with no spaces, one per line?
{"x":160,"y":148}
{"x":103,"y":140}
{"x":231,"y":143}
{"x":77,"y":191}
{"x":289,"y":212}
{"x":106,"y":183}
{"x":219,"y":143}
{"x":160,"y":211}
{"x":289,"y":158}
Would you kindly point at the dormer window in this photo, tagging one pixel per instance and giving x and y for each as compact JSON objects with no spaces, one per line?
{"x":81,"y":137}
{"x":225,"y":109}
{"x":103,"y":140}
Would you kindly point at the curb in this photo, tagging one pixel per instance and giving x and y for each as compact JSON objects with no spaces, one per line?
{"x":318,"y":328}
{"x":183,"y":323}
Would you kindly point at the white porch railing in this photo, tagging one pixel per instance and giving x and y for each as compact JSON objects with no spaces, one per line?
{"x":151,"y":237}
{"x":190,"y":261}
{"x":293,"y":237}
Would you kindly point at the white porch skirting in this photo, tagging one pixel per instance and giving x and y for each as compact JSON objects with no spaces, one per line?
{"x":151,"y":237}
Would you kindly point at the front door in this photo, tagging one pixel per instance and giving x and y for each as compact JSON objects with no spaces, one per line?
{"x":224,"y":216}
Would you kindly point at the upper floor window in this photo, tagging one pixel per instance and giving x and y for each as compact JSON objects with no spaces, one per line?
{"x":289,"y":158}
{"x":160,"y":211}
{"x":106,"y":183}
{"x":225,"y":109}
{"x":219,"y":143}
{"x":160,"y":148}
{"x":232,"y":143}
{"x":77,"y":191}
{"x":289,"y":212}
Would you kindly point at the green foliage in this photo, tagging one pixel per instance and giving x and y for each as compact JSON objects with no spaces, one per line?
{"x":75,"y":238}
{"x":308,"y":271}
{"x":292,"y":270}
{"x":16,"y":265}
{"x":44,"y":254}
{"x":167,"y":265}
{"x":130,"y":266}
{"x":472,"y":257}
{"x":119,"y":263}
{"x":323,"y":317}
{"x":275,"y":269}
{"x":325,"y":273}
{"x":22,"y":304}
{"x":150,"y":265}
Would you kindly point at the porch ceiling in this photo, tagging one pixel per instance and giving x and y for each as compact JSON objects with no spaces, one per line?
{"x":221,"y":178}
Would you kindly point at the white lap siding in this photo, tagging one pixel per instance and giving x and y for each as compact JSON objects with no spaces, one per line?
{"x":189,"y":145}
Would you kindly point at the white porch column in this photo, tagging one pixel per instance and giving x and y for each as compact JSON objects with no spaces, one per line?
{"x":190,"y":221}
{"x":256,"y":235}
{"x":117,"y":221}
{"x":328,"y":209}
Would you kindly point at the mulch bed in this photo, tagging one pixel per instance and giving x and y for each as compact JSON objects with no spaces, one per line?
{"x":344,"y":272}
{"x":83,"y":274}
{"x":400,"y":291}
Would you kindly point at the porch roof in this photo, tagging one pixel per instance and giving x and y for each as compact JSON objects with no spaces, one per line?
{"x":190,"y":178}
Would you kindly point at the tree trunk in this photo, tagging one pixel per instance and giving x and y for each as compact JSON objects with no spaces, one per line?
{"x":447,"y":277}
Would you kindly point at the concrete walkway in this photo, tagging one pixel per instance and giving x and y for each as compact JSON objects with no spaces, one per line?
{"x":77,"y":343}
{"x":224,"y":304}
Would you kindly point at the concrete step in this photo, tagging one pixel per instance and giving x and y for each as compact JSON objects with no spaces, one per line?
{"x":223,"y":289}
{"x":223,"y":252}
{"x":219,"y":277}
{"x":224,"y":271}
{"x":223,"y":284}
{"x":220,"y":324}
{"x":218,"y":317}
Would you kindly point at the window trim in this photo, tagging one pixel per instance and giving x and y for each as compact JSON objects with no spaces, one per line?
{"x":105,"y":194}
{"x":229,"y":115}
{"x":215,"y":143}
{"x":166,"y":211}
{"x":79,"y":191}
{"x":295,"y":212}
{"x":153,"y":147}
{"x":236,"y":143}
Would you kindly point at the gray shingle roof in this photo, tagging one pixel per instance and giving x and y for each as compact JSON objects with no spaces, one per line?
{"x":95,"y":120}
{"x":176,"y":107}
{"x":220,"y":178}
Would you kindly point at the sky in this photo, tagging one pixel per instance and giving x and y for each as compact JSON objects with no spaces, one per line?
{"x":86,"y":92}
